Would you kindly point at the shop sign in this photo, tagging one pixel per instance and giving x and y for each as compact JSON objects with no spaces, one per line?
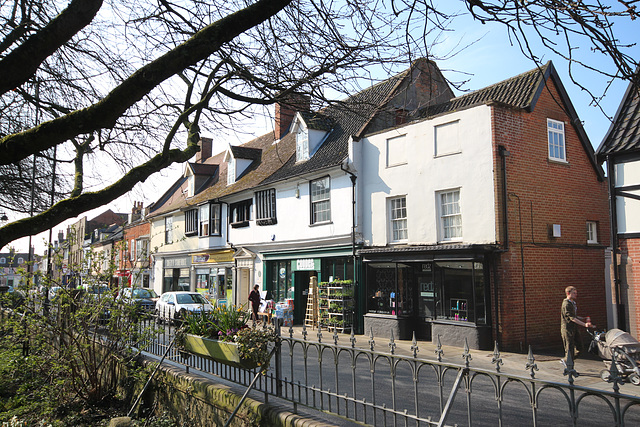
{"x":283,"y":273}
{"x":215,"y":257}
{"x":306,"y":264}
{"x":200,"y":258}
{"x":176,"y":262}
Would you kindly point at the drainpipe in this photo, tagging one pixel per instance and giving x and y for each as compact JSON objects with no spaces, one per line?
{"x":504,"y":153}
{"x":619,"y":318}
{"x":524,"y":287}
{"x":353,"y":225}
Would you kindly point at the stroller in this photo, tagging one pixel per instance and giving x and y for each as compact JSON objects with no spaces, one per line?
{"x":620,"y":347}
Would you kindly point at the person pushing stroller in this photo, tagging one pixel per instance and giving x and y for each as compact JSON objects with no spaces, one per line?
{"x":569,"y":322}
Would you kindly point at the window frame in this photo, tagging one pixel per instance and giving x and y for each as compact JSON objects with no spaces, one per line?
{"x":215,"y":219}
{"x":266,"y":207}
{"x":168,"y":230}
{"x":393,"y":220}
{"x":556,"y":127}
{"x":132,"y":250}
{"x":448,"y":142}
{"x":315,"y":213}
{"x":240,"y":213}
{"x":592,"y":232}
{"x":204,"y":217}
{"x":442,"y":227}
{"x":302,"y":144}
{"x":191,"y":222}
{"x":231,"y":171}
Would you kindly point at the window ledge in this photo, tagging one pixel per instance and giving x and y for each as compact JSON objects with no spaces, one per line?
{"x":320,"y":223}
{"x":558,"y":161}
{"x":267,"y":221}
{"x":239,"y":224}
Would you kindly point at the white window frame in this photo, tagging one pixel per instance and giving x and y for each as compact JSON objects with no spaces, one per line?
{"x":320,"y":200}
{"x":592,"y":232}
{"x":132,"y":250}
{"x":396,"y":151}
{"x":231,"y":171}
{"x":266,"y":207}
{"x":168,"y":230}
{"x":204,"y":216}
{"x":398,"y":230}
{"x":556,"y":141}
{"x":449,"y":211}
{"x":191,"y":222}
{"x":302,"y":144}
{"x":215,"y":219}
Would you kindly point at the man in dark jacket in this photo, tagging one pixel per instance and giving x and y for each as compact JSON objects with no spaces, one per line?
{"x":254,"y":297}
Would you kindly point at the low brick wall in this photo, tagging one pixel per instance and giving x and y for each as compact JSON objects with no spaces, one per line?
{"x":199,"y":401}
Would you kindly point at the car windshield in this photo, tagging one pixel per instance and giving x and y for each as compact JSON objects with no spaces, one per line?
{"x":190,"y":299}
{"x":144,"y":293}
{"x":98,"y":290}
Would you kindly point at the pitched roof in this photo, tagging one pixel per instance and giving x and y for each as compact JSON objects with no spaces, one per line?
{"x":623,"y":136}
{"x":520,"y":91}
{"x":203,"y":168}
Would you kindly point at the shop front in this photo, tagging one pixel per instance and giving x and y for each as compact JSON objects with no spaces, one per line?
{"x":214,"y":274}
{"x":176,"y":274}
{"x":288,"y":274}
{"x":430,"y":293}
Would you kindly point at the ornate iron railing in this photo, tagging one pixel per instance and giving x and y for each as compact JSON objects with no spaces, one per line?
{"x":389,"y":389}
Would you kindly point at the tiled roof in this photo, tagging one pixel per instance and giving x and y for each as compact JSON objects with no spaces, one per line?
{"x":242,"y":152}
{"x":624,"y":133}
{"x":317,"y":121}
{"x":203,"y":168}
{"x":347,"y":119}
{"x":272,"y":156}
{"x":520,"y":91}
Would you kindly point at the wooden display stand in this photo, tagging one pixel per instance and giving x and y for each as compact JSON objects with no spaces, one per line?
{"x":311,"y":317}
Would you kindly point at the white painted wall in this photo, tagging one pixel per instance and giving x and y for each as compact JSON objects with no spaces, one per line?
{"x":628,"y":209}
{"x":294,"y":216}
{"x":471,"y":170}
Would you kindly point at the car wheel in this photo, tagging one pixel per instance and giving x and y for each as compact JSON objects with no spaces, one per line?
{"x":605,"y":375}
{"x":156,"y":313}
{"x":634,"y":379}
{"x":179,"y":316}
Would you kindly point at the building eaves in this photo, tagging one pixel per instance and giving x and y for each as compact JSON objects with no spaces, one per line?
{"x":623,"y":136}
{"x":241,"y":152}
{"x":203,"y":169}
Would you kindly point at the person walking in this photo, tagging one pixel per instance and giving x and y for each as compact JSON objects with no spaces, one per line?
{"x":254,"y":297}
{"x":569,"y":322}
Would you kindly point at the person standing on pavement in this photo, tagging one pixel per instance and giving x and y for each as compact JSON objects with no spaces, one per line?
{"x":254,"y":297}
{"x":569,"y":321}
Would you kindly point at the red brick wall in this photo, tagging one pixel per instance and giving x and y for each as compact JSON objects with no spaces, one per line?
{"x":629,"y":269}
{"x":541,"y":193}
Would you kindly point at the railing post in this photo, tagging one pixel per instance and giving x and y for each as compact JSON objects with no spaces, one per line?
{"x":278,"y":357}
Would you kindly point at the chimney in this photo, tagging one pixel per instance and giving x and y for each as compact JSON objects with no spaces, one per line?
{"x":60,"y":236}
{"x":286,"y":109}
{"x":205,"y":150}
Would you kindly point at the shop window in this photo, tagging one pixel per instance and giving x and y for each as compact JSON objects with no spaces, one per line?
{"x":555,"y":130}
{"x":240,"y":213}
{"x":450,"y":215}
{"x":191,"y":222}
{"x":320,"y":200}
{"x":168,"y":229}
{"x":398,"y":219}
{"x":266,"y":207}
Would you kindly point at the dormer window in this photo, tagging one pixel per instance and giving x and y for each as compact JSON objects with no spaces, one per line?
{"x":302,"y":144}
{"x":231,"y":171}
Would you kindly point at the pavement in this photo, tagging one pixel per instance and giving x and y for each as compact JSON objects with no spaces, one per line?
{"x":548,"y":362}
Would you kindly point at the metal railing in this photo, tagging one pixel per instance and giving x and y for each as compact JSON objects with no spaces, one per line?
{"x":388,"y":389}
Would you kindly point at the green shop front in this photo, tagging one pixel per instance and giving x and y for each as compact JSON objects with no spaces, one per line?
{"x":288,"y":273}
{"x":429,"y":291}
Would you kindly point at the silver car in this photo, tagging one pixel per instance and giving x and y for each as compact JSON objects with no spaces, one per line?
{"x":173,"y":306}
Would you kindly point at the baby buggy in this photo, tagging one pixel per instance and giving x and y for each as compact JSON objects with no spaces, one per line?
{"x":620,"y":347}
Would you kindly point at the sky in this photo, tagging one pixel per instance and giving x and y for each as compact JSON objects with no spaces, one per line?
{"x":491,"y":59}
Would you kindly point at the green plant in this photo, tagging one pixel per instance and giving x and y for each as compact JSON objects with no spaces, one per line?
{"x":335,"y":307}
{"x":229,"y":323}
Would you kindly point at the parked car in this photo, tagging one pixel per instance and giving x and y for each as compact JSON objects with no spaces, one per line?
{"x":97,"y":294}
{"x":53,"y":293}
{"x":173,"y":306}
{"x":144,"y":299}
